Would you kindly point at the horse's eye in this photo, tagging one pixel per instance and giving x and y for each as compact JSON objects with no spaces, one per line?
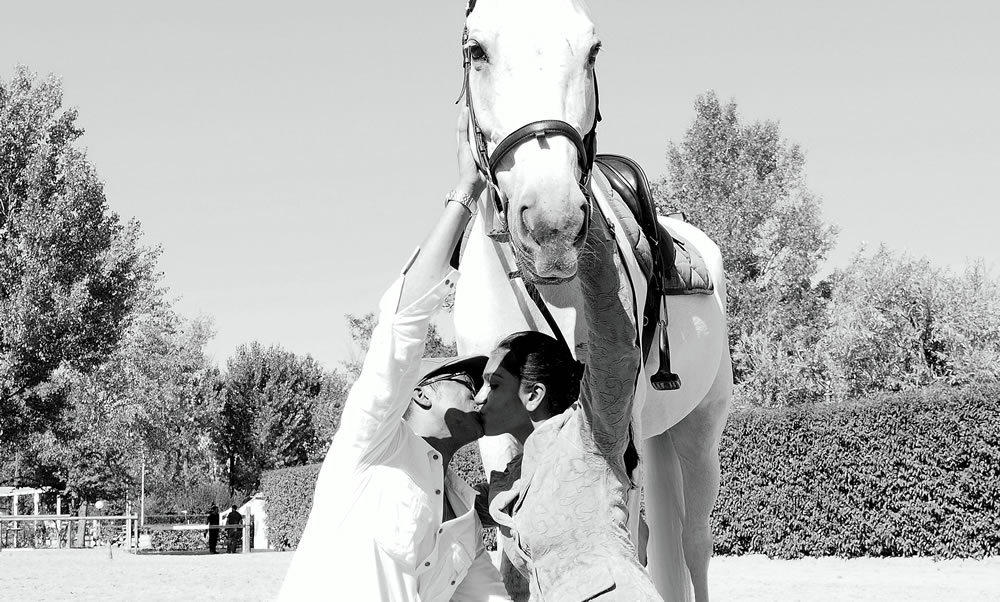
{"x":593,"y":53}
{"x":476,"y":51}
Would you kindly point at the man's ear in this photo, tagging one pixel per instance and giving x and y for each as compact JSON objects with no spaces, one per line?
{"x":533,"y":396}
{"x":421,"y":398}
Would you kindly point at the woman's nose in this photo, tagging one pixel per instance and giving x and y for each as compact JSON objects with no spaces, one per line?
{"x":481,"y":397}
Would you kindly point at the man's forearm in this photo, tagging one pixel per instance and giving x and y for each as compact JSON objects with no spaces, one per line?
{"x":431,"y":262}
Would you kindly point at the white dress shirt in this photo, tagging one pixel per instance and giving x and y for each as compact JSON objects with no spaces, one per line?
{"x":375,"y":530}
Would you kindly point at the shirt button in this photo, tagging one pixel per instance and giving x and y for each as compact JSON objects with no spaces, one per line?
{"x":437,"y":492}
{"x":453,"y":583}
{"x":440,"y":531}
{"x":427,"y":564}
{"x":435,"y":456}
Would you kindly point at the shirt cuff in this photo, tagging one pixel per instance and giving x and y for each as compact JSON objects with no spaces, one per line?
{"x":426,"y":303}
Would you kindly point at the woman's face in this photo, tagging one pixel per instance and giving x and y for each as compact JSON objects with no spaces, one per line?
{"x":500,"y":399}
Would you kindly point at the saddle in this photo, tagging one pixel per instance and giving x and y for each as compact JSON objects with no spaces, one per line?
{"x":671,"y":268}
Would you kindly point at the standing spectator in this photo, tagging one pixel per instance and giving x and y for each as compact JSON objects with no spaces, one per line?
{"x":213,"y":529}
{"x":233,"y":535}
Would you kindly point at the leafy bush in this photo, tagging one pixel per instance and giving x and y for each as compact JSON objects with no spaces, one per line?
{"x":171,"y":500}
{"x":178,"y":541}
{"x":896,"y":323}
{"x":288,"y":493}
{"x":915,"y":473}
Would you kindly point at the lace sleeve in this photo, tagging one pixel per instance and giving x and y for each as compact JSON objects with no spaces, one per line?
{"x":608,"y":387}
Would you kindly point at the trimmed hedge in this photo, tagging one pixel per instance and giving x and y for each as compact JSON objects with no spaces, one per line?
{"x":909,"y":474}
{"x":181,"y":541}
{"x":288,"y":493}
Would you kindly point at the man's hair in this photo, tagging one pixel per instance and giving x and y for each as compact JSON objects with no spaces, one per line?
{"x":535,"y":357}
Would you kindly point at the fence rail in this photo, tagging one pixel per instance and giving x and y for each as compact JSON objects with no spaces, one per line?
{"x":94,"y":528}
{"x":12,"y":533}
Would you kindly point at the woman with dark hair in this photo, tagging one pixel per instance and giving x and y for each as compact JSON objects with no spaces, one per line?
{"x":562,"y":502}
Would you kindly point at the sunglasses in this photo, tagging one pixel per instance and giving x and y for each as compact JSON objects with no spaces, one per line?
{"x":463,"y":379}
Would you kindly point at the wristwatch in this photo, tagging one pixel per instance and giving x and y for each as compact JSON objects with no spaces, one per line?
{"x":463,"y":199}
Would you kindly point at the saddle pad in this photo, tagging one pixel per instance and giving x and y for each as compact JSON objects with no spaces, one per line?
{"x":689,"y":274}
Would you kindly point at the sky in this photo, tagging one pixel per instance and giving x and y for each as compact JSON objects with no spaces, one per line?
{"x":288,"y":157}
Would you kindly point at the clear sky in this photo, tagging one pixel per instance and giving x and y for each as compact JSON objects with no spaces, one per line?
{"x":289,"y":156}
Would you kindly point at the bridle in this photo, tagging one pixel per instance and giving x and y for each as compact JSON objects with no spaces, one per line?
{"x":586,"y":146}
{"x":586,"y":150}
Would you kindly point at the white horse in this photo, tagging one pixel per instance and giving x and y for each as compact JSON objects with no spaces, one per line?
{"x":531,"y":60}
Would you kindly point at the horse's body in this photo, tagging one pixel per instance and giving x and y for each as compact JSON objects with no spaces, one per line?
{"x":535,"y":66}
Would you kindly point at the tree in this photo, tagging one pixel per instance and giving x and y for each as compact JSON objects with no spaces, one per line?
{"x":70,"y":271}
{"x":361,"y":328}
{"x":898,"y":322}
{"x":154,"y":401}
{"x":745,"y":187}
{"x":327,"y":410}
{"x":268,"y":414}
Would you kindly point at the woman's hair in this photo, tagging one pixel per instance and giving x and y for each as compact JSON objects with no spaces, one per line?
{"x":534,"y":358}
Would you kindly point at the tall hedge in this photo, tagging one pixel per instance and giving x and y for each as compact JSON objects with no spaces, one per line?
{"x":288,"y":493}
{"x":909,"y":474}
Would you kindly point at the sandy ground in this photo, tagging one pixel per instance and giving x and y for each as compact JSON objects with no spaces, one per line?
{"x":90,"y":575}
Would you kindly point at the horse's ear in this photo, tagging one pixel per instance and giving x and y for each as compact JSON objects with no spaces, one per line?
{"x":470,"y":5}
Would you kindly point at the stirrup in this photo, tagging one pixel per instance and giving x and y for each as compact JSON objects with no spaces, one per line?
{"x":664,"y":379}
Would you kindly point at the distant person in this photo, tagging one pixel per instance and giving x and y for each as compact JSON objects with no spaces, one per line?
{"x":213,"y":530}
{"x":234,"y":536}
{"x":390,"y":520}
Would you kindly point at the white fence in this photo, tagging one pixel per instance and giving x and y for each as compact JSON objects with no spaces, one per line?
{"x":61,"y":530}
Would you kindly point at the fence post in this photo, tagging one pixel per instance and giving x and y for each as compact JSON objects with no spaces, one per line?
{"x":246,"y":538}
{"x":58,"y":522}
{"x":128,"y":531}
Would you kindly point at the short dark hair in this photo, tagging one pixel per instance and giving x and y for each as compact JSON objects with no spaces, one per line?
{"x":536,"y":357}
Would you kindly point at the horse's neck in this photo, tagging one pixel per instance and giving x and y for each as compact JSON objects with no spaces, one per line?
{"x":489,"y":305}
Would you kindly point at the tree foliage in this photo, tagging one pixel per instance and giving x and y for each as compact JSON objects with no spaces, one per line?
{"x":896,"y":322}
{"x":360,"y":329}
{"x":268,"y":417}
{"x":744,"y":185}
{"x":153,"y":401}
{"x":70,"y":271}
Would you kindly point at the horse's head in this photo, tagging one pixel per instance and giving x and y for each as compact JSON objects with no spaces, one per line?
{"x":531,"y":62}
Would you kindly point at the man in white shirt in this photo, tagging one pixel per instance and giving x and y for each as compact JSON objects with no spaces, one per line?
{"x":389,"y":520}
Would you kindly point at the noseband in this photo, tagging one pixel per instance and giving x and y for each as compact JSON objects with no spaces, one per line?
{"x":586,"y":146}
